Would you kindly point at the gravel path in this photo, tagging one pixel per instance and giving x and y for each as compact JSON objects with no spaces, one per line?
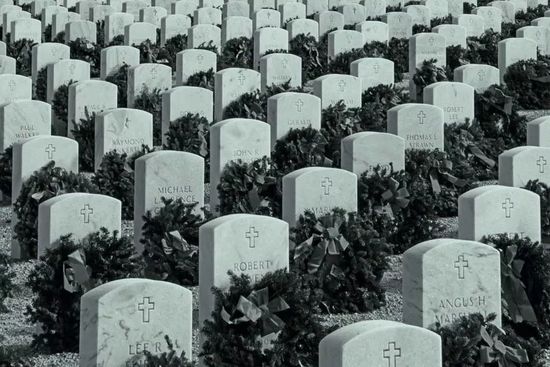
{"x":16,"y":332}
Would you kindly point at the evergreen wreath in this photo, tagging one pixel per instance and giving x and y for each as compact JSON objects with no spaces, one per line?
{"x":342,"y":257}
{"x":60,"y":107}
{"x":151,"y":101}
{"x":427,"y":74}
{"x":103,"y":256}
{"x":82,"y":49}
{"x":21,"y":51}
{"x":298,"y":149}
{"x":84,"y":134}
{"x":314,"y":58}
{"x":473,"y":341}
{"x":253,"y":188}
{"x":528,"y":81}
{"x":525,"y":277}
{"x":543,"y":191}
{"x":45,"y":183}
{"x":237,"y":53}
{"x":120,"y":79}
{"x":171,"y":242}
{"x":203,"y":79}
{"x":41,"y":84}
{"x":248,"y":316}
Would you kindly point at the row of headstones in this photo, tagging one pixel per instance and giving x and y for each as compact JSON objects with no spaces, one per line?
{"x":317,"y":189}
{"x":173,"y":18}
{"x":255,"y":245}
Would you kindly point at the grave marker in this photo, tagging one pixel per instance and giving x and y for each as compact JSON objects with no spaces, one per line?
{"x":519,"y":165}
{"x":421,"y":125}
{"x":456,"y":99}
{"x":333,"y":88}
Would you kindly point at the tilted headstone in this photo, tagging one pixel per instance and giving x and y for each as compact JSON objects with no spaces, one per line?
{"x":421,"y":125}
{"x":230,"y":84}
{"x":479,"y":76}
{"x":365,"y":151}
{"x":512,"y":50}
{"x":306,"y":27}
{"x":23,"y":119}
{"x":236,"y":27}
{"x":112,"y":58}
{"x":83,"y":29}
{"x":235,"y":139}
{"x":172,"y":26}
{"x":179,"y":101}
{"x":456,"y":99}
{"x":204,"y":35}
{"x":474,"y":24}
{"x":380,"y":343}
{"x":492,"y":17}
{"x":538,"y":132}
{"x":266,"y":18}
{"x":13,"y":87}
{"x":318,"y":190}
{"x":193,"y":61}
{"x":243,"y":244}
{"x":125,"y":130}
{"x":79,"y":214}
{"x":374,"y":31}
{"x":88,"y":97}
{"x":496,"y":209}
{"x":166,"y":174}
{"x":341,"y":41}
{"x":455,"y":35}
{"x":139,"y":32}
{"x":290,"y":110}
{"x":373,"y":71}
{"x":280,"y":69}
{"x":519,"y":165}
{"x":446,"y":279}
{"x":329,"y":21}
{"x":333,"y":88}
{"x":268,"y":39}
{"x":425,"y":47}
{"x":115,"y":24}
{"x":399,"y":24}
{"x":122,"y":319}
{"x":150,"y":78}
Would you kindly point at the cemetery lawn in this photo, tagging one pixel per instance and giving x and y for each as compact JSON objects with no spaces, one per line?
{"x":16,"y":332}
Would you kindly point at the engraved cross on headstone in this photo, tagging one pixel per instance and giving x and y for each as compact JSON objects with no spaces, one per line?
{"x":252,"y":234}
{"x":86,"y":212}
{"x":341,"y":85}
{"x":50,"y":149}
{"x":299,"y":105}
{"x":146,"y":306}
{"x":241,"y":78}
{"x":376,"y":68}
{"x":541,"y":162}
{"x":421,"y":116}
{"x":326,"y":184}
{"x":11,"y":84}
{"x":461,"y":265}
{"x":508,"y":206}
{"x":481,"y":75}
{"x":391,"y":354}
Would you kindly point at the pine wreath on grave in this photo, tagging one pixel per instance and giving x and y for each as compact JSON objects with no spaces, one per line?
{"x":65,"y":273}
